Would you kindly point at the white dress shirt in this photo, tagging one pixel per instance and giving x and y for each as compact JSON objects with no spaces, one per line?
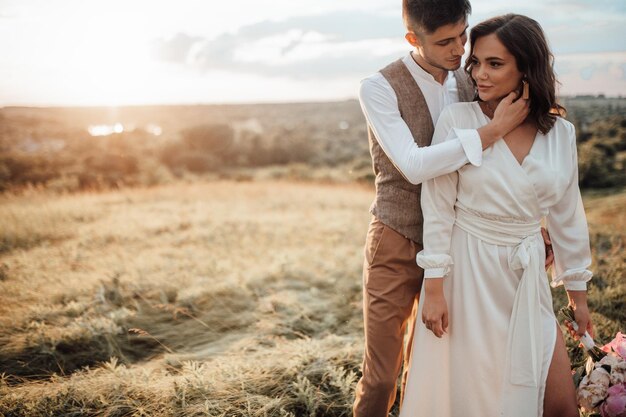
{"x":418,"y":164}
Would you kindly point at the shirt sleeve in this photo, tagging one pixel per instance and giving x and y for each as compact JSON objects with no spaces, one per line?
{"x":417,"y":164}
{"x":438,"y":200}
{"x":567,"y":225}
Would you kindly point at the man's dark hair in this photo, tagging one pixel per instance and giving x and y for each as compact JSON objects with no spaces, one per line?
{"x":429,"y":15}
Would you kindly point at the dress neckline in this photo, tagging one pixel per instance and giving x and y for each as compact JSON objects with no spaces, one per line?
{"x":508,"y":150}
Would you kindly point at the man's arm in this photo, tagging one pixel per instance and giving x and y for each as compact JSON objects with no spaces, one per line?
{"x":418,"y":164}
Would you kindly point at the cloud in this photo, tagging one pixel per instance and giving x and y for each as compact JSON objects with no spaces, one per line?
{"x":579,"y":34}
{"x":339,"y":43}
{"x":573,"y":26}
{"x":605,"y":6}
{"x":355,"y":44}
{"x":592,"y":73}
{"x":343,"y":26}
{"x":175,"y":49}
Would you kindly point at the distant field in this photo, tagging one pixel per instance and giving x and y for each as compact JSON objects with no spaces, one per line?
{"x":217,"y":299}
{"x":98,"y":148}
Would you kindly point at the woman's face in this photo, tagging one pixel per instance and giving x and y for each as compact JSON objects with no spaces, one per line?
{"x":494,"y":69}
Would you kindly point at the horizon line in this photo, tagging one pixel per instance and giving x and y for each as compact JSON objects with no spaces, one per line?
{"x":241,"y":103}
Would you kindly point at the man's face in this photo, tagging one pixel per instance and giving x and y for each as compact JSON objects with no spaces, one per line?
{"x":444,"y":47}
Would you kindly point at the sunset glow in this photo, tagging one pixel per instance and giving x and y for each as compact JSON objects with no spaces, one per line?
{"x":73,"y":52}
{"x":106,"y":130}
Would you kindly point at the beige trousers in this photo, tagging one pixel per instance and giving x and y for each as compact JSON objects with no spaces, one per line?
{"x":391,"y":285}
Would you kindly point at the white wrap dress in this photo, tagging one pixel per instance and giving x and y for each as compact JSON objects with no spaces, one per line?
{"x":482,"y":233}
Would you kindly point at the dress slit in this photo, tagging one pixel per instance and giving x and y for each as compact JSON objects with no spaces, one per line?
{"x":552,"y":348}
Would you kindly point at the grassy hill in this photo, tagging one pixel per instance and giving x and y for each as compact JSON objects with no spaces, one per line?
{"x":217,"y":298}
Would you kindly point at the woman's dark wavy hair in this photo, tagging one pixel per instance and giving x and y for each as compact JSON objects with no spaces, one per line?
{"x":525,"y":40}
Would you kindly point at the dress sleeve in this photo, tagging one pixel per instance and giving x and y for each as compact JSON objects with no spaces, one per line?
{"x":567,"y":225}
{"x":438,"y":200}
{"x":417,"y":164}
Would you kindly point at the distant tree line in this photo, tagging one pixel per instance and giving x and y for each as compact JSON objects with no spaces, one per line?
{"x":602,"y":153}
{"x":28,"y":157}
{"x":212,"y":147}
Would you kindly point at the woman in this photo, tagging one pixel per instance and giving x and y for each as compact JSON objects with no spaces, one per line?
{"x":489,"y":343}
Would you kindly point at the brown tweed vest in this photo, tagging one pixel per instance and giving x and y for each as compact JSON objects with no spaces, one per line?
{"x":397,"y":202}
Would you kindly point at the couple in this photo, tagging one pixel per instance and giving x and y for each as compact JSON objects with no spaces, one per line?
{"x":484,"y":340}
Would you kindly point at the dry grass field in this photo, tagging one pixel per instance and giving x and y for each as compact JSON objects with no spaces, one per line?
{"x":206,"y":299}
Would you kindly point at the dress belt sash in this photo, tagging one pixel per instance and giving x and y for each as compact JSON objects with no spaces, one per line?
{"x":525,"y":337}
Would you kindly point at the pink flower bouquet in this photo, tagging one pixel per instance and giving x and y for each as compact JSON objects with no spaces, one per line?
{"x":601,"y":382}
{"x":615,"y":403}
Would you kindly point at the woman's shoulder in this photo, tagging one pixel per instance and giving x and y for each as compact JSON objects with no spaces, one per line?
{"x":461,"y":107}
{"x":564,"y":130}
{"x":459,"y":111}
{"x":562,"y":123}
{"x":457,"y":116}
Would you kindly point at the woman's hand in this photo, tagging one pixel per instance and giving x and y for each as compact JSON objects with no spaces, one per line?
{"x":578,"y":302}
{"x":510,"y":112}
{"x":548,"y":244}
{"x":508,"y":115}
{"x":435,"y":309}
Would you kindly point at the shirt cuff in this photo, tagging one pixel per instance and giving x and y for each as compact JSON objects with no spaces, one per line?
{"x":472,"y":145}
{"x":573,"y":279}
{"x":575,"y":285}
{"x":435,"y":266}
{"x":435,"y":272}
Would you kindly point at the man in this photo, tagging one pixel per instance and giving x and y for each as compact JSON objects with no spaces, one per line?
{"x":402,"y":103}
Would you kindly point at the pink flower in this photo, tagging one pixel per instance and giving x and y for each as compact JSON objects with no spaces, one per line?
{"x":618,"y":345}
{"x":611,"y":359}
{"x":600,"y":376}
{"x":618,"y":373}
{"x":593,"y":389}
{"x":615,"y":403}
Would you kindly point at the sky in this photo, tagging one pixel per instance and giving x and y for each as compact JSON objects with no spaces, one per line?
{"x":133,"y":52}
